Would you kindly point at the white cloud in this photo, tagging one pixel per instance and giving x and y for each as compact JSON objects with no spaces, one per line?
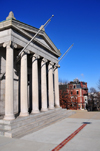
{"x":82,"y":75}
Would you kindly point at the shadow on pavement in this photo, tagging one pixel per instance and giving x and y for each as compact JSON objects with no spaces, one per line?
{"x":86,"y":123}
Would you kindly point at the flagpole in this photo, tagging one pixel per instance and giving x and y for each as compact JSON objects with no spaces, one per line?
{"x":34,"y":36}
{"x":66,"y":52}
{"x":57,"y":65}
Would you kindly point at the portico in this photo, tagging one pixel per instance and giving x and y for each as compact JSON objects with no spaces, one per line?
{"x":29,"y":85}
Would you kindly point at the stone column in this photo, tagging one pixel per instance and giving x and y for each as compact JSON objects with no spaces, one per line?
{"x":50,"y":85}
{"x":56,"y":85}
{"x":43,"y":85}
{"x":35,"y":97}
{"x":9,"y":83}
{"x":24,"y":90}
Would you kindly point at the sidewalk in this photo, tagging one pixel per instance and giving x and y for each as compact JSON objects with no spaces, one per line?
{"x":49,"y":137}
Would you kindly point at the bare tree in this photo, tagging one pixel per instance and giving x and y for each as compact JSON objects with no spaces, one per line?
{"x":99,"y":84}
{"x":94,"y":99}
{"x":92,"y":90}
{"x":66,"y":101}
{"x":63,"y":82}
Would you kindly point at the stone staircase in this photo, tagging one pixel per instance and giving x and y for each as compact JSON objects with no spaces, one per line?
{"x":25,"y":125}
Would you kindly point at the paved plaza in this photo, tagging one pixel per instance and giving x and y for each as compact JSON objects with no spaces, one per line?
{"x":46,"y":139}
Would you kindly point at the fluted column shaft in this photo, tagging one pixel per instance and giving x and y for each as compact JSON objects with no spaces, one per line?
{"x":9,"y":83}
{"x":24,"y":90}
{"x":50,"y":85}
{"x":43,"y":85}
{"x":35,"y":97}
{"x":56,"y":85}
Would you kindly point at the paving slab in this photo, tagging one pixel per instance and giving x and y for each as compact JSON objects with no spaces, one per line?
{"x":54,"y":133}
{"x":87,"y":139}
{"x":19,"y":145}
{"x":49,"y":137}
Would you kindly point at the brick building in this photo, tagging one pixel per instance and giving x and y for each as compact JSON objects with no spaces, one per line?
{"x":73,"y":95}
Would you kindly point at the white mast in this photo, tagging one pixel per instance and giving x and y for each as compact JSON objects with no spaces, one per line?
{"x":34,"y":37}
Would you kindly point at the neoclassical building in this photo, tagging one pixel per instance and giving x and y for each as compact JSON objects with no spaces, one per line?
{"x":29,"y":84}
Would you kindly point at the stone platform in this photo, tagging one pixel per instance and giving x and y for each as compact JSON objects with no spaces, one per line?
{"x":26,"y":125}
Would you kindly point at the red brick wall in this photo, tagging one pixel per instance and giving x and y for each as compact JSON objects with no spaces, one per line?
{"x":74,"y":100}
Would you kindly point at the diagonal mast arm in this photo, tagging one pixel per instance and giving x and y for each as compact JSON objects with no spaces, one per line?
{"x":35,"y":35}
{"x":66,"y":52}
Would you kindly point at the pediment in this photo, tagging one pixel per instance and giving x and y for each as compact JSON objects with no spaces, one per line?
{"x":41,"y":39}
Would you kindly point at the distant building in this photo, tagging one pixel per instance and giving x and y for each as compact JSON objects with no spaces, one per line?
{"x":93,"y":103}
{"x":74,"y":95}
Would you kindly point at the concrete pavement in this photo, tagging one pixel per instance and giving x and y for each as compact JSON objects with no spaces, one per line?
{"x":49,"y":137}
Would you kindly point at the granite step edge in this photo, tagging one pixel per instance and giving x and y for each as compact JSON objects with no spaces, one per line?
{"x":20,"y":124}
{"x":11,"y":134}
{"x":33,"y":123}
{"x":19,"y":118}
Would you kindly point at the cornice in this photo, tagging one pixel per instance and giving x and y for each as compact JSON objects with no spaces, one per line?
{"x":24,"y":29}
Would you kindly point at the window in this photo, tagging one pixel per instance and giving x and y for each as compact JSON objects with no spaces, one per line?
{"x":78,"y":86}
{"x":74,"y":86}
{"x":77,"y":92}
{"x":71,"y":92}
{"x":70,"y":87}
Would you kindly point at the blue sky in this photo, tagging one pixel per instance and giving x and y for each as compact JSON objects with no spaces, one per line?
{"x":75,"y":21}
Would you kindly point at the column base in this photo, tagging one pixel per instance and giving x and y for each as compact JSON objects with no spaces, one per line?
{"x":24,"y":114}
{"x":51,"y":108}
{"x":9,"y":117}
{"x":57,"y":106}
{"x":43,"y":110}
{"x":35,"y":111}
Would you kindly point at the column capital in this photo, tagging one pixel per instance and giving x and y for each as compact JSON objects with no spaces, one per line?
{"x":50,"y":66}
{"x":51,"y":63}
{"x":36,"y":56}
{"x":9,"y":44}
{"x":44,"y":60}
{"x":56,"y":66}
{"x":26,"y":51}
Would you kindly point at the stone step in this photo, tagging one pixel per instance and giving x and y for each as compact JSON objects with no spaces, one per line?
{"x":37,"y":128}
{"x":34,"y":126}
{"x":32,"y":123}
{"x":19,"y":118}
{"x":42,"y":126}
{"x":5,"y":127}
{"x":29,"y":120}
{"x":2,"y":132}
{"x":41,"y":119}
